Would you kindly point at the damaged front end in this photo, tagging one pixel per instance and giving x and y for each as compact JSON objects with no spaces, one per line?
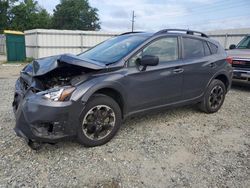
{"x":42,"y":106}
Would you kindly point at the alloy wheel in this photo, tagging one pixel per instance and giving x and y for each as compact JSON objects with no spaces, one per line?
{"x":216,"y":97}
{"x":98,"y":122}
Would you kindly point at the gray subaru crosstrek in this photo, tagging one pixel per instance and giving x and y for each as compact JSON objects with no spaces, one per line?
{"x":87,"y":96}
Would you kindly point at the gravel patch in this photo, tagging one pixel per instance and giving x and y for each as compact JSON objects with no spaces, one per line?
{"x":173,"y":148}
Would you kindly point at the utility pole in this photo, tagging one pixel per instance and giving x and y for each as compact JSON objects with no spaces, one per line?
{"x":133,"y":20}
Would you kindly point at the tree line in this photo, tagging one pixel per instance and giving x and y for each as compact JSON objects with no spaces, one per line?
{"x":23,"y":15}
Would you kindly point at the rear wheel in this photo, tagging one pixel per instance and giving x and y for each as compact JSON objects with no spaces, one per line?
{"x":100,"y":120}
{"x":214,"y":97}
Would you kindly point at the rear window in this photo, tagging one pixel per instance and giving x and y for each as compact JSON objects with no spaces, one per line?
{"x":213,"y":48}
{"x":193,"y":48}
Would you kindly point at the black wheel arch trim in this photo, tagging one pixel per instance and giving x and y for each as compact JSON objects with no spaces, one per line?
{"x":221,"y":73}
{"x":87,"y":90}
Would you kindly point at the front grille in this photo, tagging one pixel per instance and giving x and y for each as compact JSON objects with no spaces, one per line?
{"x":241,"y":64}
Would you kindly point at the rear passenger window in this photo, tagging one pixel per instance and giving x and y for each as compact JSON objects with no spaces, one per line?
{"x":193,"y":48}
{"x":206,"y":48}
{"x":213,"y":48}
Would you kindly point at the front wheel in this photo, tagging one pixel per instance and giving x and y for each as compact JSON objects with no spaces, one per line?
{"x":214,"y":97}
{"x":100,"y":121}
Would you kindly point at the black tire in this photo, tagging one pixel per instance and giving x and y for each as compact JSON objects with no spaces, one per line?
{"x":94,"y":101}
{"x":206,"y":104}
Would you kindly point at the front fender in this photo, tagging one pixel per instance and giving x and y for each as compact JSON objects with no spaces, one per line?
{"x":88,"y":88}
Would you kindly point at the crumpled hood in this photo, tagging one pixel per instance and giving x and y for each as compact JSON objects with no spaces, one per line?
{"x":239,"y":53}
{"x":44,"y":65}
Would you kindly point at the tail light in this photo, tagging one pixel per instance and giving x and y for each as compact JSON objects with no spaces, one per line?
{"x":229,"y":60}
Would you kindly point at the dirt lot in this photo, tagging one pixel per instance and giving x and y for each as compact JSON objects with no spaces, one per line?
{"x":175,"y":148}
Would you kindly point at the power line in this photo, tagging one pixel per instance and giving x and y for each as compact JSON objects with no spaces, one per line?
{"x":229,"y":5}
{"x":214,"y":5}
{"x":217,"y":21}
{"x":221,"y":4}
{"x":202,"y":22}
{"x":215,"y":9}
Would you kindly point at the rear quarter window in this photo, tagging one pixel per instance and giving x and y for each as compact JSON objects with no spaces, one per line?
{"x":206,"y":48}
{"x":213,"y":48}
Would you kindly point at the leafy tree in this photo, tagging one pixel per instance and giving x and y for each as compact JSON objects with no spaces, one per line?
{"x":75,"y":14}
{"x":29,"y":15}
{"x":42,"y":20}
{"x":3,"y":15}
{"x":5,"y":7}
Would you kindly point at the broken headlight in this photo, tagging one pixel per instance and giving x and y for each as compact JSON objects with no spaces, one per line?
{"x":59,"y":94}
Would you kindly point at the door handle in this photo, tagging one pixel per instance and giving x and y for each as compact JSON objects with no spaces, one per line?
{"x":178,"y":70}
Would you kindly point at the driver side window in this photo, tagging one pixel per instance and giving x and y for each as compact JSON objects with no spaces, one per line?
{"x":166,"y":49}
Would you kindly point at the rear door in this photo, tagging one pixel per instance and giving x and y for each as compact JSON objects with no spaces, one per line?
{"x":199,"y":66}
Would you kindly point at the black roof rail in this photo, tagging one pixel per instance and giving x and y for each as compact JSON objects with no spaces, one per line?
{"x":126,"y":33}
{"x":189,"y":32}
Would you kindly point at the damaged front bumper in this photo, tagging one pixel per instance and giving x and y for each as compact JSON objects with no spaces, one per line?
{"x":41,"y":120}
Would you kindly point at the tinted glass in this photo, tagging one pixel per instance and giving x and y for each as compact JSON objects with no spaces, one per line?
{"x":193,"y":48}
{"x":213,"y":48}
{"x":244,"y":44}
{"x":114,"y":49}
{"x":166,"y":49}
{"x":206,"y":48}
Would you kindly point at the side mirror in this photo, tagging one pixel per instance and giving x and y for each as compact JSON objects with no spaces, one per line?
{"x":232,"y":46}
{"x":149,"y":60}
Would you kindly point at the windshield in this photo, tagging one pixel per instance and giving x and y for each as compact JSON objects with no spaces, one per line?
{"x":114,"y":49}
{"x":245,"y":43}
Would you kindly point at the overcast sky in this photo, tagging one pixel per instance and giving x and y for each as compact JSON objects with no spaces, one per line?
{"x":152,"y":15}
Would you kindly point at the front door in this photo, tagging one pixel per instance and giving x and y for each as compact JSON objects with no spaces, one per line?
{"x":157,"y":85}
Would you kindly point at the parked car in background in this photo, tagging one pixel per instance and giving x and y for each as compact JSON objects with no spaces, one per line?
{"x":87,"y":96}
{"x":240,"y":59}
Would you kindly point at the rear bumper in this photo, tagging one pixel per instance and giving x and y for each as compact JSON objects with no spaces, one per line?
{"x":241,"y":75}
{"x":42,"y":120}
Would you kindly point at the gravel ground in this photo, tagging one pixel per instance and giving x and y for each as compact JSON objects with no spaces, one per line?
{"x":174,"y":148}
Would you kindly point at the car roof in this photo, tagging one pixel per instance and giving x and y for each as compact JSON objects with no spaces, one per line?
{"x":169,"y":31}
{"x":178,"y":32}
